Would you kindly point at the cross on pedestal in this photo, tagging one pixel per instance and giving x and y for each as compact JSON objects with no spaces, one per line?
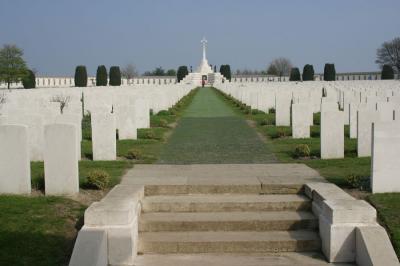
{"x":204,"y":43}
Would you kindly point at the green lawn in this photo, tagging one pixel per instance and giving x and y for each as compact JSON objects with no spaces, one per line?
{"x":388,"y":206}
{"x":38,"y":230}
{"x":210,"y":131}
{"x":41,"y":230}
{"x":335,"y":170}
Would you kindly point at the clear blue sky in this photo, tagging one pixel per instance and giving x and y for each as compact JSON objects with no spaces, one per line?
{"x":57,"y":35}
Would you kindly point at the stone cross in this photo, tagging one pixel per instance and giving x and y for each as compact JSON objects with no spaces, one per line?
{"x":204,"y":42}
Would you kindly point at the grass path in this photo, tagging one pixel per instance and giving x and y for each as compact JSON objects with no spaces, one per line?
{"x":210,"y":131}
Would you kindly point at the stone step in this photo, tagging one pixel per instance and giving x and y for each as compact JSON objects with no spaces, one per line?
{"x":227,"y":242}
{"x":225,"y":203}
{"x":227,"y":221}
{"x":163,"y":189}
{"x":281,"y":259}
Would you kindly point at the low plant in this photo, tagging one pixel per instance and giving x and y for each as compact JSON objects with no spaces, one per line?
{"x":98,"y":179}
{"x":271,"y":110}
{"x":163,"y":113}
{"x":134,"y":154}
{"x":301,"y":151}
{"x":163,"y":123}
{"x":358,"y":181}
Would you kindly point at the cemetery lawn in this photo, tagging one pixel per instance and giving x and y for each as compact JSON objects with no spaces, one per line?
{"x":210,"y":131}
{"x":388,"y":206}
{"x":279,"y":141}
{"x":38,"y":231}
{"x":114,"y":168}
{"x":147,"y":147}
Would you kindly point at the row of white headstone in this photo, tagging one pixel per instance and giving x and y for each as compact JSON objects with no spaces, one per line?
{"x":368,"y":107}
{"x":32,"y":128}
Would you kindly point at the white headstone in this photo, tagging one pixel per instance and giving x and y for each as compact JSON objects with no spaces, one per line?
{"x":332,"y":134}
{"x":35,"y":132}
{"x":365,"y":118}
{"x":15,"y":170}
{"x":300,"y":120}
{"x":61,"y":160}
{"x":283,"y":101}
{"x":104,"y":137}
{"x":385,"y":157}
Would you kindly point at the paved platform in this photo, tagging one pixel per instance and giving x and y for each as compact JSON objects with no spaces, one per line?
{"x":282,"y":259}
{"x":222,"y":174}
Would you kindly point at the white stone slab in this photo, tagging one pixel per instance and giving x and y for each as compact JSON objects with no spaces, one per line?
{"x":300,"y":120}
{"x":385,"y":157}
{"x":332,"y":134}
{"x":15,"y":170}
{"x":61,"y":160}
{"x":283,"y":101}
{"x":90,"y":248}
{"x":35,"y":132}
{"x":104,"y":144}
{"x":365,"y":118}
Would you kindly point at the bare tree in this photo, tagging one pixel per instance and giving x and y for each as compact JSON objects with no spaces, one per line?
{"x":129,"y":72}
{"x":280,"y":67}
{"x":389,"y":54}
{"x":62,"y":99}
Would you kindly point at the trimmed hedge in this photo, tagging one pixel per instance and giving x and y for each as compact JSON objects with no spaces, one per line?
{"x":294,"y":74}
{"x":329,"y":72}
{"x":308,"y":72}
{"x":29,"y":81}
{"x":115,"y":76}
{"x":181,"y":73}
{"x":387,"y":72}
{"x":80,"y":76}
{"x":101,"y":76}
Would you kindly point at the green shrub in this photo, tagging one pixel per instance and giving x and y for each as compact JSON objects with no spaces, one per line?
{"x":80,"y":76}
{"x":329,"y":72}
{"x":268,"y":121}
{"x":271,"y":110}
{"x":101,"y":76}
{"x":387,"y":72}
{"x":149,"y":135}
{"x":29,"y":81}
{"x":280,"y":132}
{"x":98,"y":179}
{"x":115,"y":76}
{"x":308,"y":72}
{"x":181,"y":73}
{"x":164,"y":113}
{"x":163,"y":123}
{"x":134,"y":154}
{"x":301,"y":151}
{"x":357,"y":181}
{"x":247,"y":110}
{"x":294,"y":74}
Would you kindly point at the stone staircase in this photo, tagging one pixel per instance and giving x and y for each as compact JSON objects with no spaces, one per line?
{"x":226,"y":220}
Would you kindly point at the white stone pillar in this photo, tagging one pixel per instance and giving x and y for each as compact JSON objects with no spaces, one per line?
{"x":15,"y":170}
{"x":104,"y":144}
{"x":332,"y":134}
{"x":61,"y":160}
{"x":300,"y":120}
{"x":385,"y":157}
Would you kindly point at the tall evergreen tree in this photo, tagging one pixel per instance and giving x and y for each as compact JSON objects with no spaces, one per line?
{"x":329,"y":72}
{"x":115,"y":76}
{"x":80,"y":76}
{"x":295,"y":74}
{"x":308,"y":72}
{"x":225,"y":71}
{"x":29,"y":81}
{"x":387,"y":72}
{"x":181,"y":73}
{"x":101,"y":76}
